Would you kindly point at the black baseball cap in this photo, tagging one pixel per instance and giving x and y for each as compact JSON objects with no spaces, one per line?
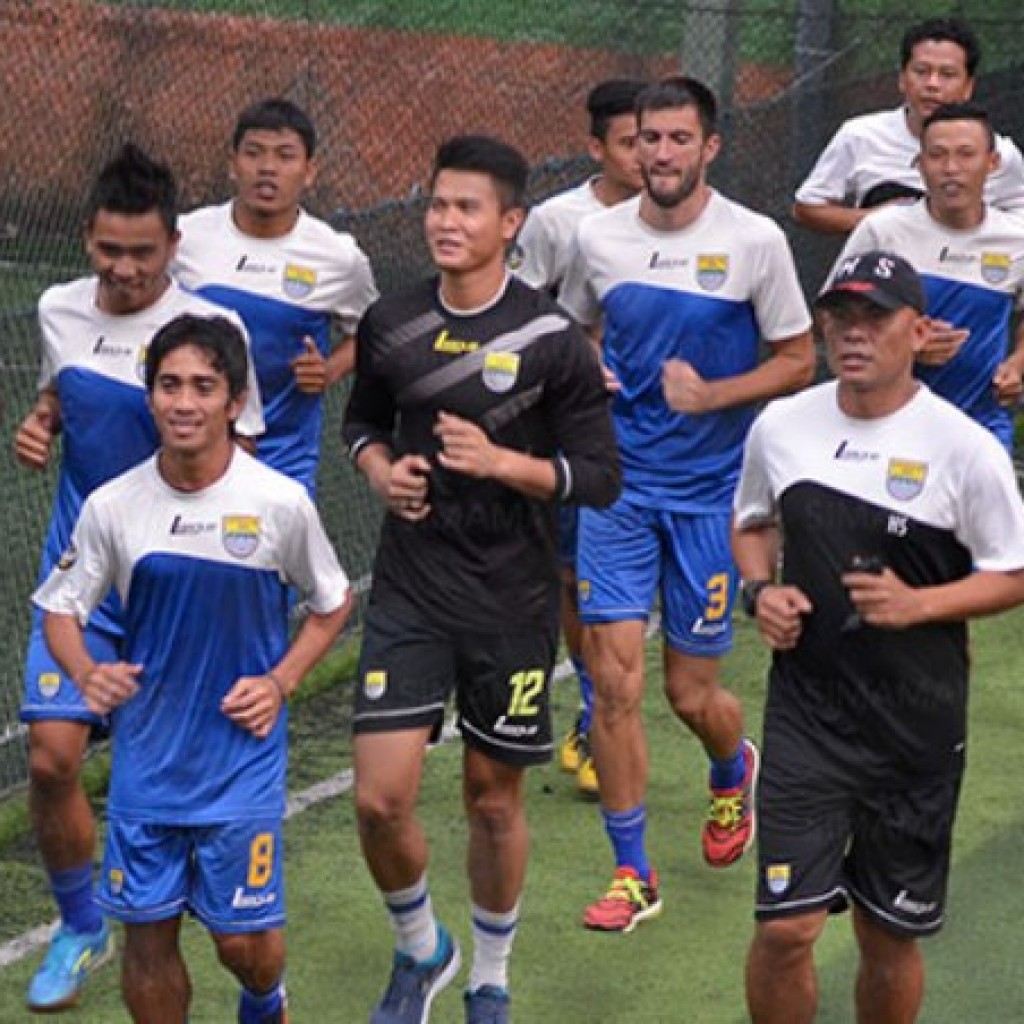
{"x":883,"y":278}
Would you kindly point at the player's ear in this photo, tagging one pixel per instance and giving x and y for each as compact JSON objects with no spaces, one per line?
{"x":511,"y":221}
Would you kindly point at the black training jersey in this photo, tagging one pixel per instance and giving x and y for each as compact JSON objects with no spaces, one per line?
{"x":485,"y":557}
{"x":925,"y":492}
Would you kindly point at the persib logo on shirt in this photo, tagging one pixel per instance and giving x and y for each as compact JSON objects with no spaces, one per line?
{"x":712,"y":270}
{"x":995,"y":267}
{"x":500,"y":371}
{"x":298,"y":282}
{"x":905,"y":478}
{"x":240,"y":535}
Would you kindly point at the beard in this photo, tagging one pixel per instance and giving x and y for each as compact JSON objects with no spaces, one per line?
{"x":669,"y":199}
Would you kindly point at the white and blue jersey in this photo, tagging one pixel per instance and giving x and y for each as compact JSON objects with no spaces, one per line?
{"x":973,"y":279}
{"x":285,"y":289}
{"x":204,"y":578}
{"x":707,"y":294}
{"x":96,"y":362}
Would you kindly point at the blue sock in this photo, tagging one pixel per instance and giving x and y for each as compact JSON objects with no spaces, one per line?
{"x":255,"y":1008}
{"x":72,"y":889}
{"x":728,"y":774}
{"x":626,"y":831}
{"x":586,"y":695}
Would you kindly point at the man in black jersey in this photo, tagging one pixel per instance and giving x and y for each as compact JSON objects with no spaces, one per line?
{"x":901,"y":520}
{"x":477,"y":405}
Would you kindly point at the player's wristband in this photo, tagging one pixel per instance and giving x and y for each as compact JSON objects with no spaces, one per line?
{"x":280,"y":686}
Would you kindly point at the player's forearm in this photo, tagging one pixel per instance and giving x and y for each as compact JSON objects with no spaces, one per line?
{"x":789,"y":369}
{"x":536,"y":478}
{"x":314,"y":639}
{"x":374,"y":460}
{"x":755,"y":550}
{"x":66,"y":643}
{"x":341,"y":361}
{"x":828,"y":218}
{"x":975,"y":596}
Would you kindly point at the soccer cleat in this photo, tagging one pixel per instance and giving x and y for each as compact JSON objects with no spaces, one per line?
{"x":569,"y":754}
{"x":69,"y":961}
{"x":731,"y":825}
{"x":628,"y":901}
{"x":586,"y":774}
{"x":413,"y":986}
{"x":487,"y":1005}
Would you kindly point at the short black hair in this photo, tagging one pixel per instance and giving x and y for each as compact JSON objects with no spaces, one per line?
{"x":275,"y":115}
{"x":216,"y":336}
{"x":611,"y":98}
{"x":678,"y":91}
{"x":961,"y":112}
{"x":506,"y":166}
{"x":943,"y":30}
{"x":133,"y":183}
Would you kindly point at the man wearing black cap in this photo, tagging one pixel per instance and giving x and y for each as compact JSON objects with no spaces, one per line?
{"x":902,"y":520}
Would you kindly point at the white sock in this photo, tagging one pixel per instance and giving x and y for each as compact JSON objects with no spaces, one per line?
{"x":493,"y":935}
{"x":412,"y":918}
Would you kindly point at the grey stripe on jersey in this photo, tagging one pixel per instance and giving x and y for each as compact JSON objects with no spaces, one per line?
{"x":505,"y":413}
{"x":472,"y":363}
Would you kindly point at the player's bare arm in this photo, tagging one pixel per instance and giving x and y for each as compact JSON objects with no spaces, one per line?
{"x":105,"y":685}
{"x":829,"y":218}
{"x":402,"y":483}
{"x":310,"y":369}
{"x":789,"y":368}
{"x":33,"y":440}
{"x":465,"y":448}
{"x":1007,"y":380}
{"x":944,"y":341}
{"x":342,"y":360}
{"x":255,"y":702}
{"x":780,"y":608}
{"x":884,"y":600}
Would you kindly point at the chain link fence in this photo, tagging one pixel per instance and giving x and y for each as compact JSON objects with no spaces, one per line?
{"x":385,"y":81}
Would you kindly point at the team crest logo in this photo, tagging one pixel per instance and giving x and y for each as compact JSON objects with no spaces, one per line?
{"x":298,"y":282}
{"x":68,"y":558}
{"x":904,"y":479}
{"x":500,"y":371}
{"x":515,"y":257}
{"x":49,"y":684}
{"x":995,"y":267}
{"x":583,"y":591}
{"x":375,"y":683}
{"x":712,"y":270}
{"x":115,"y":879}
{"x":240,"y":535}
{"x":777,"y":877}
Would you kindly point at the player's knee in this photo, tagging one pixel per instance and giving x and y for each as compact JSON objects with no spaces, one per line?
{"x":784,"y":940}
{"x":497,"y":812}
{"x":379,"y":811}
{"x":53,"y":766}
{"x":256,"y":959}
{"x":613,"y":704}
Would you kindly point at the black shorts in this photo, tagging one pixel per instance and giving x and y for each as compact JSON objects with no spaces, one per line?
{"x":409,"y":667}
{"x":837,"y":822}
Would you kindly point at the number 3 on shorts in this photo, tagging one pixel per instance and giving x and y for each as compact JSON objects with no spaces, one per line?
{"x":261,"y":860}
{"x":526,"y":687}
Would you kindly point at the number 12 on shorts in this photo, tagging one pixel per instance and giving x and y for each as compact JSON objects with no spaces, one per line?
{"x":526,"y":687}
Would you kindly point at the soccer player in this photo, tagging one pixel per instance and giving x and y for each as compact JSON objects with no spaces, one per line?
{"x":477,"y":406}
{"x":94,"y":334}
{"x":872,"y":159}
{"x":971,"y":259}
{"x":685,"y":284}
{"x":200,"y":541}
{"x":288,"y":274}
{"x":901,"y":519}
{"x":545,"y":247}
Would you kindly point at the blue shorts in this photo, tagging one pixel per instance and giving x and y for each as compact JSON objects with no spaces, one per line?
{"x":49,"y":694}
{"x":230,"y":876}
{"x":628,"y":554}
